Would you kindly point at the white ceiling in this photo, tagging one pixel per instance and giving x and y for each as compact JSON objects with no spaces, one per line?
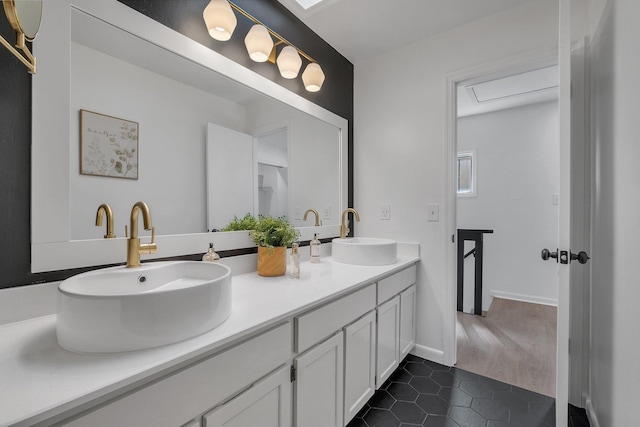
{"x":362,"y":29}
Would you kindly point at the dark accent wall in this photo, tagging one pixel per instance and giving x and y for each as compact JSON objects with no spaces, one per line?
{"x":184,"y":16}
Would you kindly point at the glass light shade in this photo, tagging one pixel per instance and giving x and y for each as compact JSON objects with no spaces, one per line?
{"x":289,"y":62}
{"x":259,"y":43}
{"x":313,"y":77}
{"x":220,"y":19}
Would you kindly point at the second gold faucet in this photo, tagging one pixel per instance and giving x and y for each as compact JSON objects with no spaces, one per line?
{"x":315,"y":212}
{"x":134,"y":247}
{"x":344,"y":225}
{"x":105,"y":210}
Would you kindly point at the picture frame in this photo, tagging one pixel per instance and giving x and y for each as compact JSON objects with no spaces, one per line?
{"x":108,"y":146}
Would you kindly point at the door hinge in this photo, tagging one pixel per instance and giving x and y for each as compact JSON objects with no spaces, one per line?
{"x":293,"y":373}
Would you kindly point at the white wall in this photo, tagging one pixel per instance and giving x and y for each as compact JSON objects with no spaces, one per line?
{"x":517,"y":175}
{"x":172,"y":135}
{"x":314,"y":168}
{"x":400,"y":142}
{"x":615,"y":289}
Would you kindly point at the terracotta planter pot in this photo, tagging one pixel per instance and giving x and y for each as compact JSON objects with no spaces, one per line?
{"x":272,"y":262}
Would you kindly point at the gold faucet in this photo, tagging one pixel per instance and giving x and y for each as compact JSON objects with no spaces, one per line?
{"x":315,"y":212}
{"x":105,"y":209}
{"x":134,"y":247}
{"x":344,"y":225}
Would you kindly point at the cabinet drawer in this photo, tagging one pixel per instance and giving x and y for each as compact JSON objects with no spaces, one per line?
{"x":392,"y":285}
{"x":266,"y":404}
{"x":179,"y":397}
{"x":313,"y":327}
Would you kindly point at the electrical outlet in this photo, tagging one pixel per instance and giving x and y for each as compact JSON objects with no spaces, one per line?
{"x":298,"y":213}
{"x":326,"y":212}
{"x":385,"y":212}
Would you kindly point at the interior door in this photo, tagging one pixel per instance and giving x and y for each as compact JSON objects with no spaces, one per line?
{"x":572,"y":202}
{"x":232,"y":181}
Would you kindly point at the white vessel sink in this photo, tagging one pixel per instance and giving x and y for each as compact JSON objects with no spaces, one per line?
{"x":364,"y":251}
{"x":124,"y":309}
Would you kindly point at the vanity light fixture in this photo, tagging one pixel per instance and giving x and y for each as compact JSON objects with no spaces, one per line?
{"x":221,"y":22}
{"x":24,"y":17}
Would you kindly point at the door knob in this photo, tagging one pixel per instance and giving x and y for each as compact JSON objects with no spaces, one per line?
{"x":581,"y":257}
{"x":546,"y":254}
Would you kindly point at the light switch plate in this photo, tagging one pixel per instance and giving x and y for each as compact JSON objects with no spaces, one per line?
{"x":433,"y":213}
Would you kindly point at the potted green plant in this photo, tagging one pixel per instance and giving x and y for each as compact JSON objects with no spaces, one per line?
{"x":248,"y":222}
{"x":273,"y":236}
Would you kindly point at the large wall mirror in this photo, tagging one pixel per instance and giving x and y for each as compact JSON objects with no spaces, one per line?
{"x":213,"y":140}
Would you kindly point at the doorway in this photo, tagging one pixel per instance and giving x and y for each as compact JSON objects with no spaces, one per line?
{"x":272,"y":160}
{"x":507,"y":173}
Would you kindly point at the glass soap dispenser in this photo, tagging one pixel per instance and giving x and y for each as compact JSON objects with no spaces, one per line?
{"x":315,"y":249}
{"x":211,"y":255}
{"x":294,"y":266}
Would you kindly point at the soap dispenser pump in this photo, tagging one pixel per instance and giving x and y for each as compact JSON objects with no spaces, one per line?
{"x":315,"y":249}
{"x":294,"y":267}
{"x":211,"y":255}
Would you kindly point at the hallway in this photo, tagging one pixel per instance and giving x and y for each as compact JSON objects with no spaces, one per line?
{"x":515,"y":343}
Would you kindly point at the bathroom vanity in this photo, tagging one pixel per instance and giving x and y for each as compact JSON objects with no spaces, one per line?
{"x":304,"y":352}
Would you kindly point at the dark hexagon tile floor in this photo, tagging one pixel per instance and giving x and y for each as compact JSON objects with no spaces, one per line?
{"x":423,"y":393}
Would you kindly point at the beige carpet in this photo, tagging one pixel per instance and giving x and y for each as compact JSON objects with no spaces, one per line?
{"x":515,"y":343}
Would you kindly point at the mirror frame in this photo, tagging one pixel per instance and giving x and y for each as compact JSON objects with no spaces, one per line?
{"x":51,"y":247}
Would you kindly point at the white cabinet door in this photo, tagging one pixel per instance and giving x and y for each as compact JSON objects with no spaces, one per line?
{"x":319,"y":385}
{"x":407,"y":321}
{"x":359,"y":364}
{"x":388,"y":339}
{"x":266,"y":404}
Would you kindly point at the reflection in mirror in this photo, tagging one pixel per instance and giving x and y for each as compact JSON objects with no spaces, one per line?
{"x":118,"y":62}
{"x":273,"y":174}
{"x":177,"y":116}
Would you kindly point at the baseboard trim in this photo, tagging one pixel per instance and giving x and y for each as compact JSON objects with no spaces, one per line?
{"x":428,"y":353}
{"x":591,"y":413}
{"x":524,"y":298}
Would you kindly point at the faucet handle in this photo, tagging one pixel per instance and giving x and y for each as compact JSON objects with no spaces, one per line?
{"x":126,"y":231}
{"x":149,"y":248}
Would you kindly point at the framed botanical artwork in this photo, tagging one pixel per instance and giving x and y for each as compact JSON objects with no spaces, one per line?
{"x":108,"y":146}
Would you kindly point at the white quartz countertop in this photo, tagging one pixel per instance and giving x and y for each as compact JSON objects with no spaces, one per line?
{"x":39,"y":379}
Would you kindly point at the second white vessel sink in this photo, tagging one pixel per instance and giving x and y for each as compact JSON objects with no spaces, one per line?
{"x":124,"y":309}
{"x":364,"y":251}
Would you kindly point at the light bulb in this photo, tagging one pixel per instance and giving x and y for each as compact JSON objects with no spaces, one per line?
{"x":259,"y":43}
{"x":289,"y":62}
{"x":313,"y":77}
{"x":220,"y":19}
